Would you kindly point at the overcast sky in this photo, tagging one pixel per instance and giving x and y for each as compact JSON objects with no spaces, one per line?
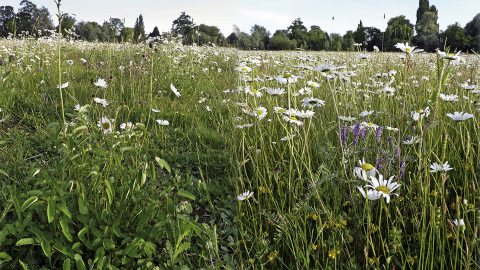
{"x":273,"y":15}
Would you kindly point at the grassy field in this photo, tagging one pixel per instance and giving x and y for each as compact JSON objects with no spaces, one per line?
{"x":117,"y":156}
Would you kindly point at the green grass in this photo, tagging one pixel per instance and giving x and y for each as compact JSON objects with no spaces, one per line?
{"x":164,"y":197}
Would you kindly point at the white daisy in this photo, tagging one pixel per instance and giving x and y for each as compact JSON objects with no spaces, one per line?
{"x":384,"y":187}
{"x":460,"y":116}
{"x":312,"y":102}
{"x":435,"y":167}
{"x":105,"y":125}
{"x":101,"y":83}
{"x":163,"y":122}
{"x":174,"y":90}
{"x":407,"y":49}
{"x":101,"y":101}
{"x":449,"y":98}
{"x":245,"y":196}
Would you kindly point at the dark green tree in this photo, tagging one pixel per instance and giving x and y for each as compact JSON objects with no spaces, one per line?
{"x":455,"y":38}
{"x":260,"y":37}
{"x":298,"y":33}
{"x":348,"y":41}
{"x":68,"y":23}
{"x":473,"y":30}
{"x":399,"y":29}
{"x":184,"y":26}
{"x":359,"y":35}
{"x":373,"y":37}
{"x":155,"y":33}
{"x":281,"y":41}
{"x":317,"y":39}
{"x":336,"y":42}
{"x":139,"y":29}
{"x":7,"y":20}
{"x":90,"y":31}
{"x":209,"y":34}
{"x":25,"y":18}
{"x":423,"y":6}
{"x":232,"y":39}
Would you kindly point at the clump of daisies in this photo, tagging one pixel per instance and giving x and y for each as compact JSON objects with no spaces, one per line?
{"x":377,"y":186}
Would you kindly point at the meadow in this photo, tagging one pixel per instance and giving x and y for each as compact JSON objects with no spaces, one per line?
{"x":121,"y":156}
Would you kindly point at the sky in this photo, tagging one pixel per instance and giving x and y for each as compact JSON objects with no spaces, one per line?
{"x":271,"y":14}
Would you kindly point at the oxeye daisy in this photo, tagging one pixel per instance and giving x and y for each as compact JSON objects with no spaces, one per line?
{"x":460,"y":116}
{"x":62,"y":86}
{"x":404,"y":47}
{"x":370,"y":194}
{"x":101,"y":83}
{"x":163,"y":122}
{"x":275,"y":91}
{"x":384,"y":187}
{"x":449,"y":98}
{"x":312,"y":102}
{"x":245,"y":196}
{"x":105,"y":125}
{"x":445,"y":167}
{"x":174,"y":90}
{"x":368,"y":168}
{"x":101,"y":101}
{"x":259,"y":112}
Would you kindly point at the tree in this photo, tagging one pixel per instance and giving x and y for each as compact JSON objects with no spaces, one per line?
{"x":43,"y":20}
{"x":7,"y":20}
{"x":348,"y":41}
{"x":68,"y":23}
{"x":155,"y":33}
{"x":423,"y":6}
{"x":298,"y":33}
{"x":183,"y":26}
{"x":473,"y":30}
{"x":281,"y":41}
{"x":25,"y":19}
{"x":139,"y":29}
{"x":245,"y":41}
{"x":260,"y":37}
{"x":427,"y":27}
{"x":127,"y":34}
{"x":90,"y":31}
{"x":232,"y":39}
{"x":336,"y":42}
{"x":373,"y":37}
{"x":456,"y":38}
{"x":317,"y":39}
{"x":209,"y":34}
{"x":399,"y":29}
{"x":359,"y":35}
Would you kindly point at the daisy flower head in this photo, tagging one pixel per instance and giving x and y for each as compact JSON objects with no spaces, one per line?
{"x":365,"y":171}
{"x":286,"y":78}
{"x":404,"y":47}
{"x":313,"y":84}
{"x":126,"y":126}
{"x":259,"y":112}
{"x":312,"y":102}
{"x":449,"y":98}
{"x":101,"y":101}
{"x":105,"y":125}
{"x":101,"y":83}
{"x":275,"y":91}
{"x":365,"y":113}
{"x":293,"y":120}
{"x":435,"y":167}
{"x":370,"y":194}
{"x":163,"y":122}
{"x":244,"y":196}
{"x":420,"y":114}
{"x":384,"y":187}
{"x":63,"y":85}
{"x":460,"y":116}
{"x":347,"y":118}
{"x":459,"y":222}
{"x":70,"y":62}
{"x":174,"y":90}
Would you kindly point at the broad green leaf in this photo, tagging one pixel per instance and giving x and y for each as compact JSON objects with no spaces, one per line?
{"x":181,"y":248}
{"x":28,"y":203}
{"x":79,"y":262}
{"x":4,"y":257}
{"x":66,"y":265}
{"x":65,"y":210}
{"x":47,"y":250}
{"x":23,"y":265}
{"x":81,"y":234}
{"x":50,"y":210}
{"x":82,"y":207}
{"x":186,"y":194}
{"x":109,"y":190}
{"x":66,"y":229}
{"x":163,"y":164}
{"x":25,"y":241}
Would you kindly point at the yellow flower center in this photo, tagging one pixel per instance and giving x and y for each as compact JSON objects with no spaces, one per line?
{"x":383,"y":189}
{"x":408,"y":50}
{"x":367,"y":167}
{"x":287,"y":75}
{"x":259,"y":112}
{"x":106,"y":125}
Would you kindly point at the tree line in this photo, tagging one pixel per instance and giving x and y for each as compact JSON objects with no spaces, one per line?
{"x":34,"y":21}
